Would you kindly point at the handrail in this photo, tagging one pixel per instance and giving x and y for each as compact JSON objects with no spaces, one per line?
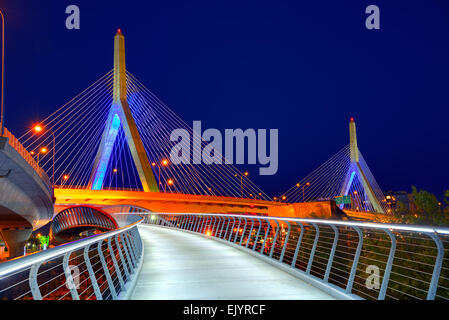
{"x":108,"y":257}
{"x":350,"y":259}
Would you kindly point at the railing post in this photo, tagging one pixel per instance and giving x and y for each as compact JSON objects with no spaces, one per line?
{"x":312,"y":252}
{"x":106,"y":271}
{"x":197,"y":219}
{"x":92,"y":278}
{"x":128,"y":257}
{"x":130,"y":250}
{"x":298,"y":245}
{"x":250,"y":232}
{"x":125,"y":267}
{"x":266,"y":237}
{"x":34,"y":287}
{"x":332,"y":253}
{"x":356,"y":260}
{"x":244,"y":231}
{"x":222,"y":227}
{"x":232,"y":228}
{"x":215,"y":231}
{"x":114,"y":262}
{"x":437,"y":268}
{"x":273,"y":244}
{"x":281,"y":258}
{"x":131,"y":245}
{"x":183,"y":220}
{"x":215,"y":223}
{"x":386,"y":278}
{"x":238,"y":230}
{"x":257,"y":235}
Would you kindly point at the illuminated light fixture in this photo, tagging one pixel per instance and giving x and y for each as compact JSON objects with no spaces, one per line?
{"x":153,"y":164}
{"x":65,"y":177}
{"x":170,"y":182}
{"x":44,"y":150}
{"x":246,"y":173}
{"x":37,"y":128}
{"x":153,"y":217}
{"x":115,"y":170}
{"x":351,"y":119}
{"x":165,"y":162}
{"x":284,"y":197}
{"x":208,"y":233}
{"x":275,"y":198}
{"x":298,"y":185}
{"x":32,"y":153}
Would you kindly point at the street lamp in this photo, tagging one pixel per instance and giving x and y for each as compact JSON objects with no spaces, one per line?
{"x":303,"y":192}
{"x":245,"y":174}
{"x":164,"y":163}
{"x":38,"y":129}
{"x":170,"y":182}
{"x":42,"y":150}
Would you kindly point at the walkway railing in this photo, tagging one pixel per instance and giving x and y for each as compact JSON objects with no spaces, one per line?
{"x":15,"y":143}
{"x":352,"y":259}
{"x":101,"y":267}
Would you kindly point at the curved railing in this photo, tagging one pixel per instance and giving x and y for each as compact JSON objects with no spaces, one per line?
{"x":352,"y":260}
{"x":100,"y":267}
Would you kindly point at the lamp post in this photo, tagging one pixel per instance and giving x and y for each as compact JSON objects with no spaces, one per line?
{"x":303,"y":191}
{"x":164,"y":163}
{"x":170,"y":182}
{"x":2,"y":128}
{"x":246,"y":173}
{"x":43,"y":150}
{"x":38,"y":129}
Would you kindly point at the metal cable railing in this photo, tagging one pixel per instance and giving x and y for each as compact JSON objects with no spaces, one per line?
{"x":100,"y":267}
{"x":354,"y":259}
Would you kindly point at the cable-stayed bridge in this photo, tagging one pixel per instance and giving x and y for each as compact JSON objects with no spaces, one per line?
{"x":111,"y":149}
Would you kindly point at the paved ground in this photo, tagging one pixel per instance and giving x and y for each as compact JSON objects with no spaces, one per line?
{"x":178,"y":265}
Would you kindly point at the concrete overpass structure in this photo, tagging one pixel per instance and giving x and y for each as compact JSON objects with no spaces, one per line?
{"x":26,"y":195}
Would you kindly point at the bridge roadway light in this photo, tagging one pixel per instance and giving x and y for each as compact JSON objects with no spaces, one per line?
{"x":170,"y":182}
{"x":38,"y":129}
{"x":303,"y":191}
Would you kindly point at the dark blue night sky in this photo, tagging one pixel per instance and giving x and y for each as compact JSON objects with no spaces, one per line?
{"x":304,"y":67}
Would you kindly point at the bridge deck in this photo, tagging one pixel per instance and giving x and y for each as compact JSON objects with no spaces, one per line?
{"x":179,"y":265}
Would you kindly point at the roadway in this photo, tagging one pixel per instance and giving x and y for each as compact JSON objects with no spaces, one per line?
{"x":179,"y":265}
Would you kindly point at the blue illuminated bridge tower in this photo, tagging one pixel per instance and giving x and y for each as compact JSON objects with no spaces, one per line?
{"x":120,"y":115}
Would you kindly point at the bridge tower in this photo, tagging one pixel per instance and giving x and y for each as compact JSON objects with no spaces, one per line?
{"x":120,"y":114}
{"x":356,"y":169}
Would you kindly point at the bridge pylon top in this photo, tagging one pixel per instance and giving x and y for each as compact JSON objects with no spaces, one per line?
{"x":353,"y":141}
{"x":119,"y":67}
